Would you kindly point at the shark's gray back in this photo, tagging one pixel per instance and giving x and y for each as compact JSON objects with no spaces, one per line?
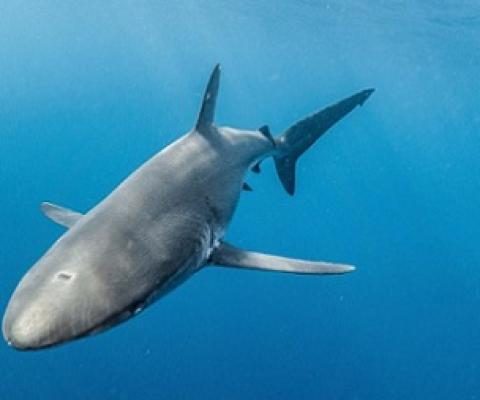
{"x":192,"y":178}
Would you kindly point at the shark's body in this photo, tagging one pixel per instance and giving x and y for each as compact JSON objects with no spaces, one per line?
{"x":162,"y":224}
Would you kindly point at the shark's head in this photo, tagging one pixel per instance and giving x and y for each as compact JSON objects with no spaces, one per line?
{"x":49,"y":306}
{"x":68,"y":294}
{"x":41,"y":312}
{"x":43,"y":309}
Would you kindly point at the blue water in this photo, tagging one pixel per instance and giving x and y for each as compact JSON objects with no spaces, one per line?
{"x":90,"y":90}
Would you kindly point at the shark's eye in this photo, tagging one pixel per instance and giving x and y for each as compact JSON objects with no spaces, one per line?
{"x":64,"y":276}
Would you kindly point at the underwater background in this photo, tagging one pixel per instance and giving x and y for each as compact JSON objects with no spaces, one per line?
{"x":90,"y":90}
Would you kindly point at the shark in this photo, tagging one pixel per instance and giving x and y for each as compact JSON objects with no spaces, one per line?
{"x":162,"y":224}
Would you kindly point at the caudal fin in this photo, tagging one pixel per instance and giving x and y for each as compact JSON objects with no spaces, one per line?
{"x":300,"y":136}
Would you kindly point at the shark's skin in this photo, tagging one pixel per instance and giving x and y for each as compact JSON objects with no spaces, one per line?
{"x":157,"y":228}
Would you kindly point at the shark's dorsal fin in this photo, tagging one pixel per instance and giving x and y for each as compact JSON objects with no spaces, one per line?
{"x":229,"y":256}
{"x":60,"y":215}
{"x":207,"y":111}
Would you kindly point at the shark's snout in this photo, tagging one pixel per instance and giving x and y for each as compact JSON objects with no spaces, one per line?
{"x":29,"y":329}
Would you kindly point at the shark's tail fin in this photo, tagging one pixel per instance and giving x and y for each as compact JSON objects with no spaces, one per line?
{"x":300,"y":136}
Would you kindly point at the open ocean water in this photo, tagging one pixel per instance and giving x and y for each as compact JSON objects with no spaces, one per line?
{"x":90,"y":90}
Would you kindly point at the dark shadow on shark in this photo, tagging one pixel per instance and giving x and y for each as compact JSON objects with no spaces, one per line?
{"x":163,"y":223}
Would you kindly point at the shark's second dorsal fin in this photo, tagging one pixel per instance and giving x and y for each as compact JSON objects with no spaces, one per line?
{"x":207,"y":111}
{"x":60,"y":215}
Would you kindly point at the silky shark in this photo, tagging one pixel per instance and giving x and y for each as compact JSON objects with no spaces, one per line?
{"x":162,"y":224}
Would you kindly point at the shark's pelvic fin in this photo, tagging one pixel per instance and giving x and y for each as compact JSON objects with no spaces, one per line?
{"x":247,"y":187}
{"x":231,"y":256}
{"x":60,"y":215}
{"x":207,"y":111}
{"x":256,"y":168}
{"x":300,"y":136}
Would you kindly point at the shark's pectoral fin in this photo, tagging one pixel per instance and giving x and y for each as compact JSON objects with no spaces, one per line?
{"x":231,"y":256}
{"x":60,"y":215}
